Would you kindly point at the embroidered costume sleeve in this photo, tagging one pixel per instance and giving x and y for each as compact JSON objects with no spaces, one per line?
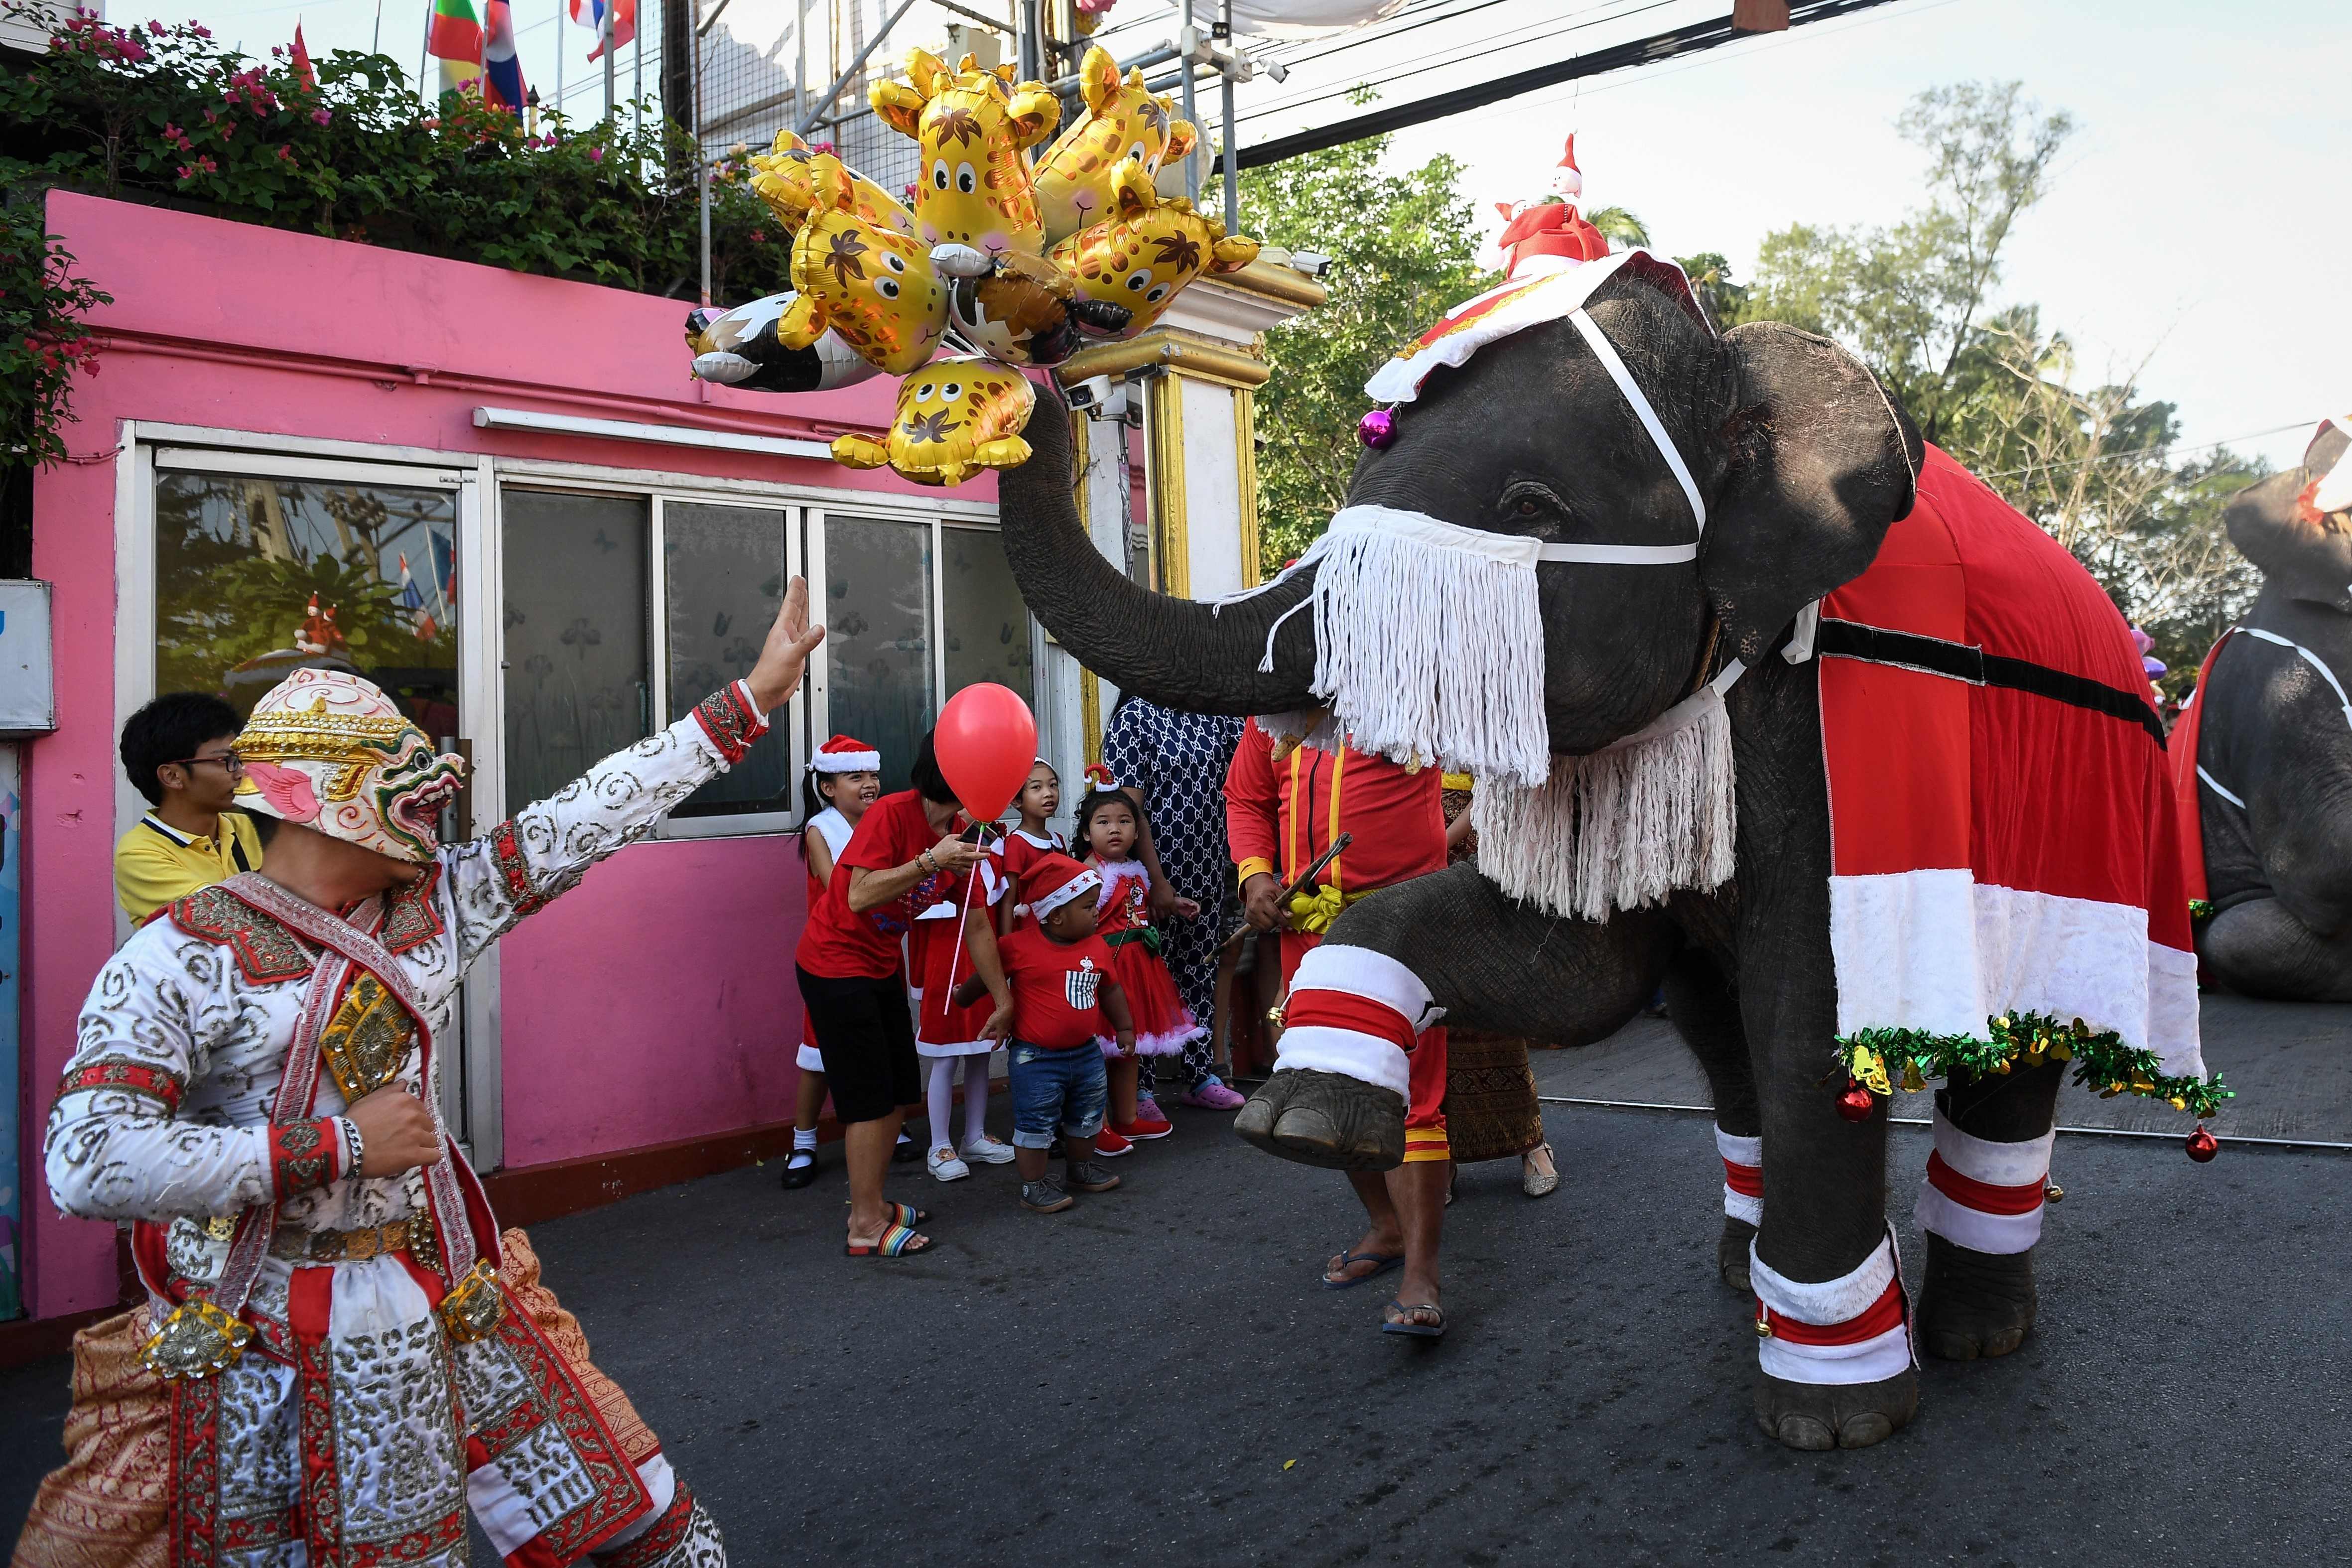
{"x":546,"y":847}
{"x":117,"y":1147}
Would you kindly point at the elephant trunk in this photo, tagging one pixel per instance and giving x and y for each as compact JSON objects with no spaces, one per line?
{"x":1177,"y":652}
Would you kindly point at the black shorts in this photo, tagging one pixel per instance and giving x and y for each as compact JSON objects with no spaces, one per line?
{"x":866,"y":1035}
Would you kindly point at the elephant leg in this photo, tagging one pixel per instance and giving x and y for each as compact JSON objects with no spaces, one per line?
{"x":1980,"y":1206}
{"x":1706,"y":1013}
{"x":1341,"y":1086}
{"x":2259,"y":949}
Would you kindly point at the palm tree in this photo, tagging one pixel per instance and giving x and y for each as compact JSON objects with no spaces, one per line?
{"x":1621,"y":228}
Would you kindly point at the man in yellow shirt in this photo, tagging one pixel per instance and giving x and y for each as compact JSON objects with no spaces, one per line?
{"x":180,"y":751}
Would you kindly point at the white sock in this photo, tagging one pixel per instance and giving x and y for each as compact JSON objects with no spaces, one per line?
{"x":975,"y":1097}
{"x":803,"y":1146}
{"x":942,"y":1096}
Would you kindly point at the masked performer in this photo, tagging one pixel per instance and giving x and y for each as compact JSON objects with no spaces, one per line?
{"x":1281,"y":814}
{"x":340,"y":1354}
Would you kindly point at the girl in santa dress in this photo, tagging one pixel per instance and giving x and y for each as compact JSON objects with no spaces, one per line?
{"x":1110,"y":822}
{"x":843,"y":778}
{"x":948,"y":1037}
{"x":1021,"y":849}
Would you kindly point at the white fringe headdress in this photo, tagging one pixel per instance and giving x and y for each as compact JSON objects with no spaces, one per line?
{"x":1429,"y":649}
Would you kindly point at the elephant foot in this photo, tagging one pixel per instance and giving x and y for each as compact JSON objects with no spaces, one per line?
{"x":1817,"y":1417}
{"x":1974,"y":1304}
{"x":1325,"y":1118}
{"x":1731,"y":1254}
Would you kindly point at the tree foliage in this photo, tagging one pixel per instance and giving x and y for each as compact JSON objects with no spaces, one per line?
{"x":165,"y":114}
{"x":1405,"y":250}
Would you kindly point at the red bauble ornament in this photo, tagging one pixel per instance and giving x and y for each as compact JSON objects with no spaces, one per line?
{"x":987,"y":742}
{"x":2203,"y":1145}
{"x":1855,"y":1103}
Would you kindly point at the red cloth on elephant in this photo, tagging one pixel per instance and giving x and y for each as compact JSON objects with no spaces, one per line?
{"x":2004,"y":832}
{"x":2186,"y":806}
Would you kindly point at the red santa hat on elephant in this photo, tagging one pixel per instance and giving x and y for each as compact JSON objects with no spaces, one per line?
{"x":1548,"y":235}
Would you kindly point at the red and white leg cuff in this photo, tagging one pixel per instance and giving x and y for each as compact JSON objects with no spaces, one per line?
{"x":1855,"y":1329}
{"x":1743,"y":1176}
{"x":1985,"y":1197}
{"x":1357,"y":1013}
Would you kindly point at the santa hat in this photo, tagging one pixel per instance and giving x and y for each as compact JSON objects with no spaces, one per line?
{"x":1054,"y":881}
{"x":845,"y":755}
{"x":1567,"y":178}
{"x":1100,"y":780}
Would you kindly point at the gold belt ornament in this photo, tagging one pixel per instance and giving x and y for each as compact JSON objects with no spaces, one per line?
{"x":196,"y":1342}
{"x":296,"y":1245}
{"x":368,"y":1040}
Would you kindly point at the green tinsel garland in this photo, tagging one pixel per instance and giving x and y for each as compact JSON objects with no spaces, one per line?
{"x":2102,"y":1061}
{"x":2200,"y":911}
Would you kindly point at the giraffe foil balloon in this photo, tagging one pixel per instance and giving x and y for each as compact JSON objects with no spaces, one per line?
{"x":1023,"y":309}
{"x":785,"y":177}
{"x":871,"y":284}
{"x":976,"y":130}
{"x":1126,"y":131}
{"x":955,"y":418}
{"x":1146,"y":251}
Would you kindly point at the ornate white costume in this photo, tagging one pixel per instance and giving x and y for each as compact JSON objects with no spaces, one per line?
{"x":343,"y":1369}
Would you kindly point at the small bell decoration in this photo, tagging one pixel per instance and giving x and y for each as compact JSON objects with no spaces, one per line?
{"x":1377,"y":428}
{"x":2203,"y":1145}
{"x":1855,"y":1103}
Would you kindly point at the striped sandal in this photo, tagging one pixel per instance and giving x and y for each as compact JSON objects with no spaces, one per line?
{"x":898,"y":1241}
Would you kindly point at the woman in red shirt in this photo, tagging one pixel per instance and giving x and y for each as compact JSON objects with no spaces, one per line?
{"x":853,"y":987}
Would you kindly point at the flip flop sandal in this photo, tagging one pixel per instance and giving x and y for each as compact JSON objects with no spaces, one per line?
{"x":1385,"y":1261}
{"x":898,"y":1241}
{"x":1435,"y":1331}
{"x":909,"y":1214}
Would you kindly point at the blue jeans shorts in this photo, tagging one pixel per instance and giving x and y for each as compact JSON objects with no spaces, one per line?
{"x":1055,"y":1093}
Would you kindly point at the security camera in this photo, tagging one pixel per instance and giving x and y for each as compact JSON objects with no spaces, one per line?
{"x":1313,"y":263}
{"x":1278,"y":71}
{"x":1100,"y":397}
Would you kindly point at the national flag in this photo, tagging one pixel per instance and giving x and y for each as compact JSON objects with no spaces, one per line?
{"x":590,"y":14}
{"x":501,"y":70}
{"x":302,"y":71}
{"x":445,"y":570}
{"x":410,"y":599}
{"x":453,"y":33}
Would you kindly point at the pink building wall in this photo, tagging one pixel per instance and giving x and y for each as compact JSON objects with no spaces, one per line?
{"x":654,"y":1002}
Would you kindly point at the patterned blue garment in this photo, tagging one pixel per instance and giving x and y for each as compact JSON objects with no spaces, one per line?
{"x":1178,"y":762}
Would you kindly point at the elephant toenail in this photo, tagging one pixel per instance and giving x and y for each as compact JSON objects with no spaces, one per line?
{"x":1805,"y":1432}
{"x":1862,"y":1431}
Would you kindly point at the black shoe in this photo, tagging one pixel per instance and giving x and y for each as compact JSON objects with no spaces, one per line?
{"x":907,"y":1152}
{"x":800,"y":1175}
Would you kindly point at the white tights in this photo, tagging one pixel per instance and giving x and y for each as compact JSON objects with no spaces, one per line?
{"x":974,"y":1068}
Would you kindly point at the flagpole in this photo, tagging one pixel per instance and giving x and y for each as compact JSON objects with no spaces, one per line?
{"x":376,"y":45}
{"x":562,"y":15}
{"x":637,"y":79}
{"x":424,"y":54}
{"x":693,"y":111}
{"x":606,"y":28}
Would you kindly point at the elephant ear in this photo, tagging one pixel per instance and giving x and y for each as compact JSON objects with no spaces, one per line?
{"x":1823,"y":461}
{"x":2278,"y":526}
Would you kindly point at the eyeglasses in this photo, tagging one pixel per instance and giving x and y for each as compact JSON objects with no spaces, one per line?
{"x":229,"y":760}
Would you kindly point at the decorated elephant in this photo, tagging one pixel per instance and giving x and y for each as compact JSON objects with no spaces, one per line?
{"x":1613,"y":563}
{"x":2263,"y":757}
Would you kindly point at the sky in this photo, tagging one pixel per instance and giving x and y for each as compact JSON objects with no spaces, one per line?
{"x":2192,"y":212}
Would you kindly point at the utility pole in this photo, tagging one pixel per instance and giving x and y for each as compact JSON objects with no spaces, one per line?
{"x":701,"y":162}
{"x":1232,"y":180}
{"x":605,"y":28}
{"x":1192,"y":115}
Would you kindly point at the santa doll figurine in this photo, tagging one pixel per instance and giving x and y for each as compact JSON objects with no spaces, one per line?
{"x":1548,"y":235}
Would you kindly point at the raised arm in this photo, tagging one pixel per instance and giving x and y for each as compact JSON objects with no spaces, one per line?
{"x":545,"y":849}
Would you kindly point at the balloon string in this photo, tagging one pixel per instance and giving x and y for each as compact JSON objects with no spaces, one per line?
{"x":970,"y":877}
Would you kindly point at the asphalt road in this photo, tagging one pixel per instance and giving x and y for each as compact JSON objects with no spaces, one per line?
{"x":1155,"y":1376}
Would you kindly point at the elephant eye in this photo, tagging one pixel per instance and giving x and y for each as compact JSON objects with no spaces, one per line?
{"x":966,"y":181}
{"x":1526,"y":501}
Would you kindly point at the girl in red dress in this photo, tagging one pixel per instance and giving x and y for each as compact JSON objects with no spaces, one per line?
{"x":947,"y":1036}
{"x":1109,"y":823}
{"x":1022,"y":849}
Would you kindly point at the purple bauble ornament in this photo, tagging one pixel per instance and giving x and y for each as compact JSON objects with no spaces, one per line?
{"x":1376,"y":429}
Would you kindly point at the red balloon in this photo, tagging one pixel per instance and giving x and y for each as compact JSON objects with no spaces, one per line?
{"x":987,"y":742}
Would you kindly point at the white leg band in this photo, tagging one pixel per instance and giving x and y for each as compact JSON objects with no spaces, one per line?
{"x":1739,"y":1205}
{"x":1747,"y":1152}
{"x":1830,"y":1301}
{"x":2014,"y":1165}
{"x":1825,"y":1304}
{"x":1939,"y":1213}
{"x":1996,"y":1164}
{"x":1369,"y":976}
{"x":1872,"y":1361}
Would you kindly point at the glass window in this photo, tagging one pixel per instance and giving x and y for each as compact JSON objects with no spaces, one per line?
{"x":577,"y":677}
{"x":257,"y":577}
{"x":986,"y":627}
{"x":725,"y":568}
{"x":877,"y":648}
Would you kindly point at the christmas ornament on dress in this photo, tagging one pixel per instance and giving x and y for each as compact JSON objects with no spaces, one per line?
{"x":873,"y":285}
{"x":955,"y":417}
{"x":740,"y":348}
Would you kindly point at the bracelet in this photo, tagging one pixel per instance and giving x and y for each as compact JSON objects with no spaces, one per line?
{"x":925,"y":861}
{"x":353,"y":1143}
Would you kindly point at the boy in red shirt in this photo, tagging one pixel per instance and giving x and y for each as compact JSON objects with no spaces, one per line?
{"x":1063,"y":994}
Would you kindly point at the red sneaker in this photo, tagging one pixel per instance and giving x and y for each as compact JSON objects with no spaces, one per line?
{"x":1110,"y":1145}
{"x":1148,"y":1124}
